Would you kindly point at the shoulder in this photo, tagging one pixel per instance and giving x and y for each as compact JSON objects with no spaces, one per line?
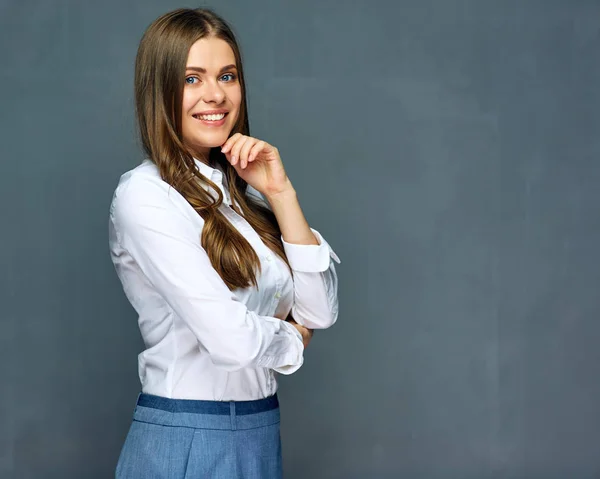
{"x":142,"y":188}
{"x":142,"y":183}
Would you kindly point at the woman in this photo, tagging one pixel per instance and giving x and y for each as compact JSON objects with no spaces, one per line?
{"x":214,"y":253}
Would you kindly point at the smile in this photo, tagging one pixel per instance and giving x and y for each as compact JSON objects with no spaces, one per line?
{"x":217,"y":117}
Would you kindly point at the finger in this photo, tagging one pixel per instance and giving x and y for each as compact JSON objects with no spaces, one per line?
{"x":256,"y":149}
{"x":230,"y":141}
{"x":245,"y":150}
{"x":235,"y":149}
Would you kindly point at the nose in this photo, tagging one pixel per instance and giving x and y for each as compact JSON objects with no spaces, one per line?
{"x":213,"y":93}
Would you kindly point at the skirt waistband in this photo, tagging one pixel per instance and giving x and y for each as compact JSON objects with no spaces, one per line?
{"x":197,"y":406}
{"x":207,"y":414}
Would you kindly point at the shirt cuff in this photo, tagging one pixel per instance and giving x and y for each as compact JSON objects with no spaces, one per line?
{"x":310,"y":258}
{"x":294,"y":358}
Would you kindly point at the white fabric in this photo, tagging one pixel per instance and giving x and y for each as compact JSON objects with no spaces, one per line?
{"x":202,"y":340}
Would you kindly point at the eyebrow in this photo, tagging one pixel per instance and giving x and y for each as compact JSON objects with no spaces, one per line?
{"x":203,"y":70}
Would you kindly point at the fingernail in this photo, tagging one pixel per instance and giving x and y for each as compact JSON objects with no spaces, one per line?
{"x":233,"y":160}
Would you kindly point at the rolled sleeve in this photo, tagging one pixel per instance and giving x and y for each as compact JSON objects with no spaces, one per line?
{"x":310,"y":258}
{"x":289,"y":360}
{"x":315,"y":303}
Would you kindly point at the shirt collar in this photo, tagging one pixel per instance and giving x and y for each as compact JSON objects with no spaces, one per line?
{"x":216,"y":176}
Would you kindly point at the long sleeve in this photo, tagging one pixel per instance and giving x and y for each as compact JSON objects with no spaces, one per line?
{"x":315,"y":283}
{"x":315,"y":303}
{"x":165,"y":245}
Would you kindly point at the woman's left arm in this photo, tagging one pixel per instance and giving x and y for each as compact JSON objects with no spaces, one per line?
{"x":310,"y":256}
{"x":312,"y":261}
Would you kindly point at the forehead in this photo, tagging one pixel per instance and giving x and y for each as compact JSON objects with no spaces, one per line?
{"x":210,"y":53}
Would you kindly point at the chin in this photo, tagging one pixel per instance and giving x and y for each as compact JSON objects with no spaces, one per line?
{"x":212,"y":142}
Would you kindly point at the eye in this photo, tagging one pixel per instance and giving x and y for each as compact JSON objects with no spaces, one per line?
{"x":229,"y":75}
{"x":190,"y":80}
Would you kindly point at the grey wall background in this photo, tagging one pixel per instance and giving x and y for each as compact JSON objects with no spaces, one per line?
{"x":447,"y":149}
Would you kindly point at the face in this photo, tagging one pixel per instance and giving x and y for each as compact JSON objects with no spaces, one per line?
{"x":212,"y":96}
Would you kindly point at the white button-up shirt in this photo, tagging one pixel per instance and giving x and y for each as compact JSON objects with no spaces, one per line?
{"x":202,"y":340}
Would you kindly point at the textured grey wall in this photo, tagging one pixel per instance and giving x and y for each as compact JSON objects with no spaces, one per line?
{"x":447,"y":149}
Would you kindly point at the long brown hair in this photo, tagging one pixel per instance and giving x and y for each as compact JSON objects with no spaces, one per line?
{"x":159,"y":80}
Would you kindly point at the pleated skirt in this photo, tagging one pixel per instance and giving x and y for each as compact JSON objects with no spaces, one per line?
{"x":182,"y":438}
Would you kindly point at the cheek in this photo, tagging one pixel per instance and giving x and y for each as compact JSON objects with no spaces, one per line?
{"x":186,"y":106}
{"x":235,"y":95}
{"x":238,"y":97}
{"x":188,"y":102}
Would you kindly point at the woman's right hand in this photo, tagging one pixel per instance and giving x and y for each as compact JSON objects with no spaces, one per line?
{"x":306,"y":333}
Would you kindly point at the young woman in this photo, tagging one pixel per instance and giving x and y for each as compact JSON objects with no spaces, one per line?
{"x":214,"y":253}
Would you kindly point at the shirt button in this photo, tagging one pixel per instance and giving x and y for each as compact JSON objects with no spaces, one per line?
{"x":269,"y":259}
{"x":278,"y":295}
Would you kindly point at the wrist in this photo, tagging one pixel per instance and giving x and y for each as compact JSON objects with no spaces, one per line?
{"x":283,"y":191}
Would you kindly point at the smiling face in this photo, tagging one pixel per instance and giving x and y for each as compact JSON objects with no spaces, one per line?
{"x":212,"y":96}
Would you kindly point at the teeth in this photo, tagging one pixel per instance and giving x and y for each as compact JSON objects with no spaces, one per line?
{"x":218,"y":117}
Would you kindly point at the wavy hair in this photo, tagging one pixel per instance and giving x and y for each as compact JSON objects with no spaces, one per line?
{"x":159,"y":80}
